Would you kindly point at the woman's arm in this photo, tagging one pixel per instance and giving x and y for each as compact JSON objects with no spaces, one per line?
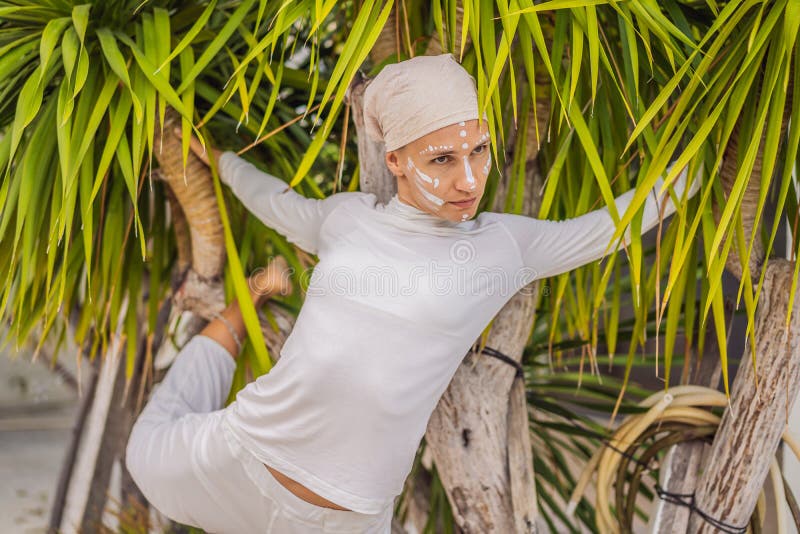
{"x":549,"y":248}
{"x":275,"y":203}
{"x":271,"y":199}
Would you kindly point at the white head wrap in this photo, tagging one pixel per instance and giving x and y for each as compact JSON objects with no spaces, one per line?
{"x":409,"y":99}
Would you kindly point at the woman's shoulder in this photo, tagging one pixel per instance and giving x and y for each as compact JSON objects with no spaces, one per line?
{"x":352,"y":198}
{"x":347,"y":204}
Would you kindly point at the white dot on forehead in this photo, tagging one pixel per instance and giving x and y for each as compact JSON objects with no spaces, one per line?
{"x":464,"y":146}
{"x":462,"y":123}
{"x":462,"y":133}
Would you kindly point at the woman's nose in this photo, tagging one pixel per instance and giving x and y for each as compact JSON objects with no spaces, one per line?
{"x":467,"y":180}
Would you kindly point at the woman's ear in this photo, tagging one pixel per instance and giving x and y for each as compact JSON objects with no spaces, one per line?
{"x":393,"y":163}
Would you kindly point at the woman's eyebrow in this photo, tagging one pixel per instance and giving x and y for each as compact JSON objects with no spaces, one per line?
{"x":436,"y":149}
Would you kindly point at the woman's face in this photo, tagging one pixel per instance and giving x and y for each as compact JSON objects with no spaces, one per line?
{"x":444,"y":172}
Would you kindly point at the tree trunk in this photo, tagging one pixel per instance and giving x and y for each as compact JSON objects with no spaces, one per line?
{"x":751,"y":428}
{"x":73,"y":450}
{"x":469,"y":433}
{"x":193,"y":189}
{"x":374,"y":175}
{"x":87,"y":481}
{"x":750,"y":432}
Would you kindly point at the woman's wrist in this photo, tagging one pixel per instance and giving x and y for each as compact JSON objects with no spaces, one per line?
{"x":235,"y":336}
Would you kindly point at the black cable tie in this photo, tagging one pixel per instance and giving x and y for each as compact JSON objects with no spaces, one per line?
{"x":688,"y":500}
{"x":489,"y":351}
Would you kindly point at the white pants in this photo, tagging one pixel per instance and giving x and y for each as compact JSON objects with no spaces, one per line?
{"x":190,"y":466}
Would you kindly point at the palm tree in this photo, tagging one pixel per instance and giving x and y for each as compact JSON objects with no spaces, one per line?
{"x":106,"y":214}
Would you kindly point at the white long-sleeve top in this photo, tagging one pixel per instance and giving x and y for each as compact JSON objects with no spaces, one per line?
{"x":393,"y":305}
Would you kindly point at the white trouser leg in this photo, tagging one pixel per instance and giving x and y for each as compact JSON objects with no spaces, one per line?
{"x":188,"y":465}
{"x":178,"y":437}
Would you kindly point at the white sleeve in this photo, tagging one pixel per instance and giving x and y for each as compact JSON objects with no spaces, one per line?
{"x":549,"y":248}
{"x":274,"y":203}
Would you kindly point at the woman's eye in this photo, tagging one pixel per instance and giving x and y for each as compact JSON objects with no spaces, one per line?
{"x":480,"y":148}
{"x":440,"y":160}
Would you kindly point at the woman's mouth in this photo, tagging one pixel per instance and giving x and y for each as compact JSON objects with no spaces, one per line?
{"x":464,"y":203}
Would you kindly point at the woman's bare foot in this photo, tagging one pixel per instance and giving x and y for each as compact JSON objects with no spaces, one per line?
{"x":274,"y":279}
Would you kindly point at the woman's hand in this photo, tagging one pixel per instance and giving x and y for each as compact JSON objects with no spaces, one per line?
{"x":199,"y":150}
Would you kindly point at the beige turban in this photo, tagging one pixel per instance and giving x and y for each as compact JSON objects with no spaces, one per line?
{"x":415,"y":97}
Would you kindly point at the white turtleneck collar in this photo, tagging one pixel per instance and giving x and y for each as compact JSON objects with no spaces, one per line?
{"x":395,"y":206}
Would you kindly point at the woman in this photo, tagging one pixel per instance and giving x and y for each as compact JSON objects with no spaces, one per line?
{"x":325,"y":440}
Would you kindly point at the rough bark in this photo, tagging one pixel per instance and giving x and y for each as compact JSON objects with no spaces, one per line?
{"x":389,"y":40}
{"x":469,"y":432}
{"x":524,"y":504}
{"x":193,"y":189}
{"x":750,"y":431}
{"x":751,"y":428}
{"x":183,"y":239}
{"x":275,"y":339}
{"x":374,"y":175}
{"x":727,"y":175}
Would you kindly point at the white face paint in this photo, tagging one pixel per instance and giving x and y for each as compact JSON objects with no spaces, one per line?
{"x":428,"y":195}
{"x":468,"y":171}
{"x":488,"y":166}
{"x":419,"y":178}
{"x":418,"y":172}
